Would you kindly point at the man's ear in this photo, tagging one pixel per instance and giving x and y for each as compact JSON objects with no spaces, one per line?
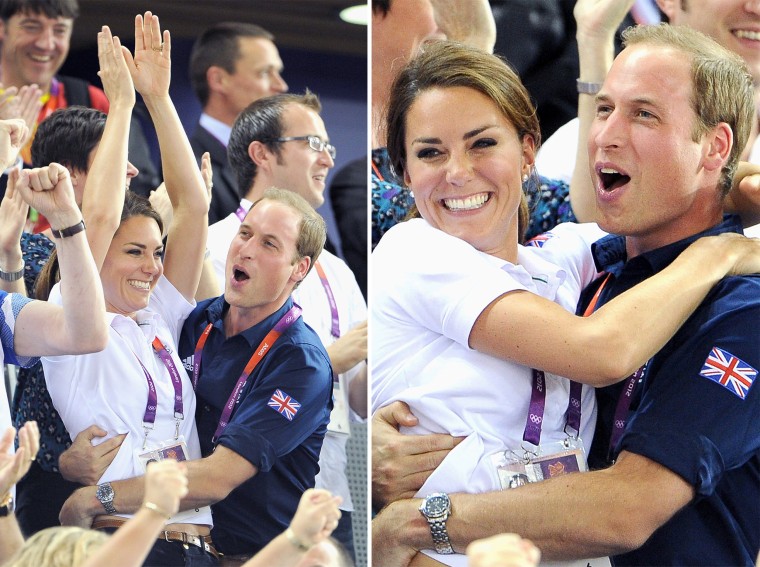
{"x":718,"y":149}
{"x":300,"y":269}
{"x":259,"y":153}
{"x":216,"y":79}
{"x":668,"y":7}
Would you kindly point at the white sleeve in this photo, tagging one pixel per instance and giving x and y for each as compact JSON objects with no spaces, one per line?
{"x":436,"y":280}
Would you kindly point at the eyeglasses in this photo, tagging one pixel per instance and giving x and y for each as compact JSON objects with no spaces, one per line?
{"x":315,"y":143}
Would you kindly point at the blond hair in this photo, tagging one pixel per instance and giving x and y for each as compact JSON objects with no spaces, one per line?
{"x":58,"y":547}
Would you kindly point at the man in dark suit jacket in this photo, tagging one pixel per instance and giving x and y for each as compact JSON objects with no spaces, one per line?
{"x":232,"y":64}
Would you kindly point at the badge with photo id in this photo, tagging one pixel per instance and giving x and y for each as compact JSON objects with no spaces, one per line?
{"x":175,"y":449}
{"x":516,"y":467}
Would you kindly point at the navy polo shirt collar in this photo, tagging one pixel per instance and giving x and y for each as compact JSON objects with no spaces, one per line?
{"x":610,"y":256}
{"x":216,"y":310}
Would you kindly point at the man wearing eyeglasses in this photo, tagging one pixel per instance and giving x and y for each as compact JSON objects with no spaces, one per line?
{"x":281,"y":141}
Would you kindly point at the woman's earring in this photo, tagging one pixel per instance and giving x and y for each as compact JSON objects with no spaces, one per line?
{"x":524,"y":177}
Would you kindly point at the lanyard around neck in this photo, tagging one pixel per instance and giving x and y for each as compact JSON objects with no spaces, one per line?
{"x":534,"y":422}
{"x":335,"y":329}
{"x":265,"y":346}
{"x":625,"y":398}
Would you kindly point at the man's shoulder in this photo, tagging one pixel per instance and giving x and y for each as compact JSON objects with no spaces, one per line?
{"x":742,"y":292}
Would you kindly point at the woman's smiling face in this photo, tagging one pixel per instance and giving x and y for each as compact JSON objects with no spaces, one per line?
{"x":465,"y":163}
{"x":132,"y":266}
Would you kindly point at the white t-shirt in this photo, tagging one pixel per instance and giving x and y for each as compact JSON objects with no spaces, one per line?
{"x":352,"y":310}
{"x":428,"y":288}
{"x":109,"y":388}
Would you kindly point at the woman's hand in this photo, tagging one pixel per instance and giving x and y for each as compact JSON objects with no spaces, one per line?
{"x":13,"y":133}
{"x":166,"y":485}
{"x":114,"y":73}
{"x":13,"y":211}
{"x":14,"y":467}
{"x":600,"y":19}
{"x":316,"y":517}
{"x":151,"y":65}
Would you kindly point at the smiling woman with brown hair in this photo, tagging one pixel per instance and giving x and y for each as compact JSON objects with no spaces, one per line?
{"x":462,"y":313}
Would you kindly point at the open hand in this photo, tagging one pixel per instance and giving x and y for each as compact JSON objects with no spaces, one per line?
{"x":114,"y":73}
{"x":151,"y":65}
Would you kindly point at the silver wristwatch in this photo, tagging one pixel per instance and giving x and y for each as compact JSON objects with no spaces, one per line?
{"x":105,"y":494}
{"x":437,"y":508}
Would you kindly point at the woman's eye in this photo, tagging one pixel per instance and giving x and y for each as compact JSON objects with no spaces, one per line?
{"x":427,"y":153}
{"x":134,"y":252}
{"x":484,"y":143}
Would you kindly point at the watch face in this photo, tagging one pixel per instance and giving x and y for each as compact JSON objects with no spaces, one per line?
{"x":105,"y":492}
{"x":437,"y":505}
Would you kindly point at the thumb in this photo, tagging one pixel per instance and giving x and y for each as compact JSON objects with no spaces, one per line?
{"x":402,"y":415}
{"x":93,"y":431}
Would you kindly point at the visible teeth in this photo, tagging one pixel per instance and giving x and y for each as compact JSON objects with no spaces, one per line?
{"x":747,"y":34}
{"x":473,"y":202}
{"x":608,"y":170}
{"x":139,"y":284}
{"x":41,"y":58}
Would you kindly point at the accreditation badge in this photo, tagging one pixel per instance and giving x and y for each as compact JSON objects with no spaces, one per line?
{"x":175,"y":449}
{"x":339,"y":416}
{"x":515,"y":467}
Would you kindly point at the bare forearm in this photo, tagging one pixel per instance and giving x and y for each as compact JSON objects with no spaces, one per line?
{"x":187,"y":234}
{"x":570,"y":517}
{"x":595,"y":54}
{"x":11,"y":539}
{"x":12,"y":261}
{"x":82,"y":294}
{"x":357,"y":392}
{"x":183,"y":179}
{"x":104,"y":191}
{"x":209,"y":283}
{"x":278,"y":553}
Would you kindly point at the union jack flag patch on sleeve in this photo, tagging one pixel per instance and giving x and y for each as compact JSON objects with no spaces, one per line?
{"x":540,"y":240}
{"x":284,"y":404}
{"x":729,"y":371}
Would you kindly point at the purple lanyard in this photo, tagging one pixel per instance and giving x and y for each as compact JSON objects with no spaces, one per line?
{"x":335,"y":330}
{"x":149,"y":417}
{"x":166,"y":358}
{"x":280,"y":327}
{"x":626,"y":396}
{"x":623,"y":407}
{"x":532,"y":433}
{"x":241,"y":212}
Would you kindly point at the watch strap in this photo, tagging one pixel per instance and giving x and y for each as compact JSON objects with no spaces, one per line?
{"x":7,"y":506}
{"x":70,"y":231}
{"x":12,"y":276}
{"x":440,"y":535}
{"x":585,"y":87}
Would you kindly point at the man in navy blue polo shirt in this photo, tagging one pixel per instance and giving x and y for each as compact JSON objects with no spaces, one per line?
{"x":264,"y":383}
{"x":682,"y":435}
